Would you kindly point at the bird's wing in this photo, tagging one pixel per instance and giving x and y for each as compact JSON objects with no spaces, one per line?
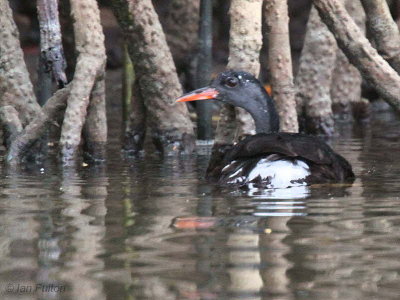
{"x":287,"y":144}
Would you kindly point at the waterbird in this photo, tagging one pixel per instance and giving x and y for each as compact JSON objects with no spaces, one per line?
{"x":269,"y":159}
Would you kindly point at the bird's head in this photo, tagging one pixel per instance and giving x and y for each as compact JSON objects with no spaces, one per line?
{"x":232,"y":87}
{"x":240,"y":89}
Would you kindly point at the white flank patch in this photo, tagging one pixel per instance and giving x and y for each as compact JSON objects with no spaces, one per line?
{"x":234,"y":174}
{"x":227,"y":166}
{"x":280,"y":172}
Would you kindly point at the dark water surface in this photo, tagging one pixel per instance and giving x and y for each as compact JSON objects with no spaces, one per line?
{"x":125,"y":231}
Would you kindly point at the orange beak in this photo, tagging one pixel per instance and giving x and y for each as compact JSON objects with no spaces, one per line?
{"x":200,"y":94}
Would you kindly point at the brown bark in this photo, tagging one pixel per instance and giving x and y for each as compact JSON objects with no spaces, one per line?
{"x":360,"y":52}
{"x":95,"y":129}
{"x":89,"y":39}
{"x":245,"y":35}
{"x":346,"y":80}
{"x":133,"y":109}
{"x":383,"y":30}
{"x":135,"y":131}
{"x":313,"y":80}
{"x":181,"y":27}
{"x":226,"y":129}
{"x":244,"y":51}
{"x":15,"y":86}
{"x":280,"y":63}
{"x":11,"y":124}
{"x":172,"y":130}
{"x":44,"y":83}
{"x":52,"y":53}
{"x":34,"y":130}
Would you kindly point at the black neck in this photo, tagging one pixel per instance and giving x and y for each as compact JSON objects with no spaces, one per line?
{"x":264,"y":114}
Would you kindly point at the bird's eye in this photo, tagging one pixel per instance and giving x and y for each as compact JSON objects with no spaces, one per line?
{"x":231,"y":81}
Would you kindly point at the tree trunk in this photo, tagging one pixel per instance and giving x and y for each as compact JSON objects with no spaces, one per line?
{"x":172,"y":130}
{"x":383,"y":30}
{"x":314,"y":78}
{"x":280,"y":63}
{"x":51,"y":60}
{"x":245,"y":35}
{"x":244,"y":52}
{"x":35,"y":129}
{"x":89,"y":39}
{"x":68,"y":39}
{"x":135,"y":130}
{"x":181,"y":26}
{"x":133,"y":109}
{"x":11,"y":124}
{"x":52,"y":53}
{"x":44,"y":88}
{"x":16,"y":88}
{"x":95,"y":129}
{"x":346,"y":80}
{"x":204,"y":70}
{"x":360,"y":52}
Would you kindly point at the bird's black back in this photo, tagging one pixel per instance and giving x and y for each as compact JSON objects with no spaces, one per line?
{"x":325,"y":165}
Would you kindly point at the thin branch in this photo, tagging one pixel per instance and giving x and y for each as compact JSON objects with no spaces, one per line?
{"x":204,"y":69}
{"x":127,"y":86}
